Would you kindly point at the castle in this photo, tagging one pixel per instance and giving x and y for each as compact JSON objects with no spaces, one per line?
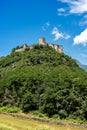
{"x":58,"y":48}
{"x":42,"y":41}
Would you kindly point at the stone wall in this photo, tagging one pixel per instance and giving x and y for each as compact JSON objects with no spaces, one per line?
{"x":21,"y":49}
{"x":56,"y":47}
{"x":42,"y":41}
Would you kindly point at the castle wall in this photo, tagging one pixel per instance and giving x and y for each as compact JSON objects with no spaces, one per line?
{"x":31,"y":47}
{"x":51,"y":45}
{"x":58,"y":48}
{"x":21,"y":49}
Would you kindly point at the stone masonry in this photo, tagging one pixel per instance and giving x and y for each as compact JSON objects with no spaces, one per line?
{"x":42,"y":41}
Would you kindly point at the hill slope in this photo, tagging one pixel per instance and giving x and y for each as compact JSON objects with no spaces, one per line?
{"x":44,"y":80}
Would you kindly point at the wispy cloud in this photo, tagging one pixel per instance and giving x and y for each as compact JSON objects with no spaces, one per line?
{"x":83,"y":55}
{"x":62,"y":11}
{"x":83,"y":22}
{"x":76,"y":6}
{"x":57,"y":34}
{"x":85,"y":17}
{"x":45,"y":26}
{"x":66,"y":36}
{"x":81,"y":38}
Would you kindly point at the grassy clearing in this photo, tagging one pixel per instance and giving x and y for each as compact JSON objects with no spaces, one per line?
{"x":3,"y":128}
{"x":14,"y":123}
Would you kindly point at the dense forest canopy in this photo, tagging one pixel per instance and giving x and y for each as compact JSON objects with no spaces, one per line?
{"x":41,"y":79}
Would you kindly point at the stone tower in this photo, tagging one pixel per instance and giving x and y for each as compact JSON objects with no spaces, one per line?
{"x":42,"y":41}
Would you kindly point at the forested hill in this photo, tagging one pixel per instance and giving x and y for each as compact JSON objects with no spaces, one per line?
{"x":44,"y":80}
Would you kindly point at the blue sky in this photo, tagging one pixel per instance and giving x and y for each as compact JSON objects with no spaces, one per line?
{"x":62,"y":22}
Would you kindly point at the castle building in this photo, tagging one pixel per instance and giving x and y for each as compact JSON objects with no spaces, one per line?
{"x":58,"y":48}
{"x":42,"y":41}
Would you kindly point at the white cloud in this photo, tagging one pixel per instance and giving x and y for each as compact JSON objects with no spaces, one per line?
{"x":59,"y":35}
{"x":76,"y":6}
{"x":81,"y":39}
{"x":61,"y":10}
{"x":45,"y":26}
{"x":62,"y":14}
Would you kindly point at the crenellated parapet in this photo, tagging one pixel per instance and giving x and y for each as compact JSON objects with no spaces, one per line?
{"x":58,"y":48}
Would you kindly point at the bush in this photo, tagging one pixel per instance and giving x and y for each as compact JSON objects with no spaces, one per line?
{"x":9,"y":109}
{"x":63,"y":114}
{"x":37,"y":113}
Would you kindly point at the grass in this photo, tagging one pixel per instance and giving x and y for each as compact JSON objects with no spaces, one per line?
{"x":3,"y":128}
{"x":14,"y":123}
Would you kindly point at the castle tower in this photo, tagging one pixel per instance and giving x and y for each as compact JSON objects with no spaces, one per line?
{"x":42,"y":41}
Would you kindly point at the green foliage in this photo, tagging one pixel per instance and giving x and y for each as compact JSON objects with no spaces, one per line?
{"x":28,"y":102}
{"x":38,"y":113}
{"x":43,"y":80}
{"x":9,"y":109}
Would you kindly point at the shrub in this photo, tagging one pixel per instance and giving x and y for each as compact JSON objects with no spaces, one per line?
{"x":9,"y":109}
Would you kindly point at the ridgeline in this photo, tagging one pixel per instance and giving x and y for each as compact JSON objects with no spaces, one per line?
{"x":41,"y":79}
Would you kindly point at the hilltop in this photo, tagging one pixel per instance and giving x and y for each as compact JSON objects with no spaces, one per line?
{"x":42,"y":79}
